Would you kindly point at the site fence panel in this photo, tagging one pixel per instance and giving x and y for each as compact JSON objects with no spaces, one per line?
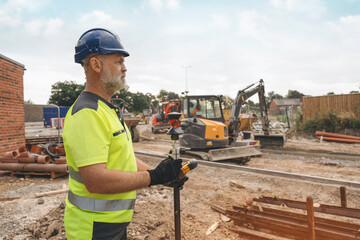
{"x":323,"y":105}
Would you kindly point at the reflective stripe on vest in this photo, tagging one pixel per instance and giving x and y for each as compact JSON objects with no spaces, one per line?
{"x":101,"y":205}
{"x":75,"y":175}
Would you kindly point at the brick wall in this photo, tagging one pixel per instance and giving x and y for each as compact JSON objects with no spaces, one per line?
{"x":12,"y":116}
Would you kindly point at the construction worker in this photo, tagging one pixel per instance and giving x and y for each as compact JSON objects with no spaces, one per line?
{"x":196,"y":112}
{"x":103,"y":170}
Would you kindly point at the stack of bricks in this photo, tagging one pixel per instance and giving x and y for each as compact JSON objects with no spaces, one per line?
{"x":12,"y":115}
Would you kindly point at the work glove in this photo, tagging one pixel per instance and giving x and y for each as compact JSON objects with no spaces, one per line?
{"x":179,"y":183}
{"x":167,"y":171}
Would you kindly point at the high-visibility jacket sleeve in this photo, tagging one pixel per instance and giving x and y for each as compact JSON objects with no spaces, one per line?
{"x":88,"y":138}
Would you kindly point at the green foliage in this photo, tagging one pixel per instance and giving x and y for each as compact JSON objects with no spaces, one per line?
{"x":166,"y":96}
{"x":294,"y":94}
{"x":65,"y":93}
{"x":333,"y":122}
{"x":298,"y":120}
{"x":271,"y":96}
{"x":133,"y":102}
{"x":227,"y":102}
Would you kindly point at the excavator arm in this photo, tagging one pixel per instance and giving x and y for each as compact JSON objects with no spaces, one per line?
{"x":240,"y":99}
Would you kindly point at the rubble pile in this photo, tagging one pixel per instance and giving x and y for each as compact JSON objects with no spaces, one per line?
{"x":49,"y":227}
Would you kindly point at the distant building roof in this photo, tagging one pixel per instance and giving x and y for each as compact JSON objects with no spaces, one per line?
{"x":287,"y":102}
{"x":13,"y":61}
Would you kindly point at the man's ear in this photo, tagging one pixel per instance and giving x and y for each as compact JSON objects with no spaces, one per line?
{"x":95,"y":64}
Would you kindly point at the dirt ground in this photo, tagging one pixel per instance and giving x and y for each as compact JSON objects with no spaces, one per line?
{"x":42,"y":218}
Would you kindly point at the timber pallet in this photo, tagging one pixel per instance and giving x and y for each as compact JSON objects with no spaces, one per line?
{"x":52,"y":175}
{"x":43,"y":140}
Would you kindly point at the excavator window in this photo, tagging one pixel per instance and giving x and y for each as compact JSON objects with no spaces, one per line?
{"x":205,"y":107}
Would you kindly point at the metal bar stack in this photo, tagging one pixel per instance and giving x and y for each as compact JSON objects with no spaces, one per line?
{"x":273,"y":218}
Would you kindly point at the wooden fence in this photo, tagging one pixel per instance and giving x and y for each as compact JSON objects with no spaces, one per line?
{"x":323,"y":105}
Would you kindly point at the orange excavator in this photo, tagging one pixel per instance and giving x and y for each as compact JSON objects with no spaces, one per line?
{"x":160,"y":120}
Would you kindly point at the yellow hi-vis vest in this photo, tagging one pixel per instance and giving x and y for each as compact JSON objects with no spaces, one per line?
{"x":94,"y":133}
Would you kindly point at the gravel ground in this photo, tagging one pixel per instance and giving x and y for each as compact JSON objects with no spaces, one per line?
{"x":31,"y":218}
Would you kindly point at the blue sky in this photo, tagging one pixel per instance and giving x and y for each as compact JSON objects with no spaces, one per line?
{"x":311,"y":46}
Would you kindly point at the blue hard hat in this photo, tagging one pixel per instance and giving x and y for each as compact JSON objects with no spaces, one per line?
{"x":98,"y":40}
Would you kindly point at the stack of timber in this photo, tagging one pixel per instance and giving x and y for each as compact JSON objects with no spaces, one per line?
{"x":30,"y":159}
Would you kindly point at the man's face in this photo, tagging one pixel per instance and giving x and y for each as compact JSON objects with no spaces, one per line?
{"x":114,"y":72}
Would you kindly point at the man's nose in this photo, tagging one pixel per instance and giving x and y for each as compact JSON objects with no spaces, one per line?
{"x":123,"y":69}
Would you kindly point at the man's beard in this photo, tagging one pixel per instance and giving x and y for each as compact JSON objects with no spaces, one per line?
{"x":112,"y":82}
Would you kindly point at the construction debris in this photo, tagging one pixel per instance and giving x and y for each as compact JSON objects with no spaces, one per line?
{"x":30,"y":159}
{"x":51,"y":193}
{"x":212,"y":228}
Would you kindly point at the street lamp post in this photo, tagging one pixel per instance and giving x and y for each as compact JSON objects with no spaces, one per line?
{"x":58,"y":122}
{"x":186,"y":68}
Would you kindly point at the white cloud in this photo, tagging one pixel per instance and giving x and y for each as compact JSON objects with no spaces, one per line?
{"x":101,"y":19}
{"x":312,"y":8}
{"x":11,"y":12}
{"x":53,"y":26}
{"x":173,"y":4}
{"x":28,"y":5}
{"x":33,"y":27}
{"x":159,"y":5}
{"x":156,"y":5}
{"x":9,"y":20}
{"x":220,"y":20}
{"x":353,"y":21}
{"x":44,"y":27}
{"x":248,"y":24}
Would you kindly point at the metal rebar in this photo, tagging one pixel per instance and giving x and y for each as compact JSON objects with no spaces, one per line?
{"x":177,"y":213}
{"x":293,"y":176}
{"x":310,"y":217}
{"x":343,"y":197}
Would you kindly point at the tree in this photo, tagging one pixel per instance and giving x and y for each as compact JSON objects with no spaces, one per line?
{"x":29,"y":101}
{"x":65,"y":93}
{"x":294,"y":94}
{"x":330,"y":93}
{"x":354,"y":92}
{"x":140,"y":102}
{"x":227,"y":102}
{"x":166,"y":96}
{"x":271,"y":96}
{"x":153,"y":102}
{"x":133,"y":102}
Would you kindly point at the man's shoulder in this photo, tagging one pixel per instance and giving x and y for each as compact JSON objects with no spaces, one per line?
{"x":86,"y":100}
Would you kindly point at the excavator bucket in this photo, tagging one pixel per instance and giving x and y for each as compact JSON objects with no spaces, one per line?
{"x":270,"y":141}
{"x":233,"y":153}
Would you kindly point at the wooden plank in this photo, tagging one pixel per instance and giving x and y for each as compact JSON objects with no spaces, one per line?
{"x":52,"y":175}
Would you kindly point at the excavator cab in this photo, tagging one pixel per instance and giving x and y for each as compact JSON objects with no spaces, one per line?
{"x":205,"y":107}
{"x":203,"y":123}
